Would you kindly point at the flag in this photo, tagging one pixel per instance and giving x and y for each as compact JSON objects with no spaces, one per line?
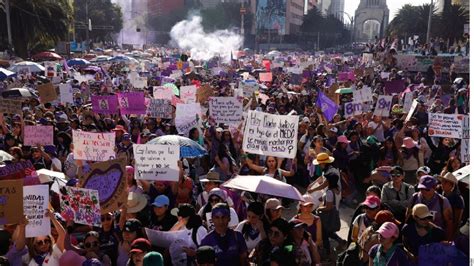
{"x":328,"y":107}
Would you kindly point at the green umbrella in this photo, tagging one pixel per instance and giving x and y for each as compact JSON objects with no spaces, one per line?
{"x":172,"y":87}
{"x":344,"y":90}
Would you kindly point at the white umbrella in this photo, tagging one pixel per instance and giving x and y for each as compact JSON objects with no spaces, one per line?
{"x":32,"y":66}
{"x":462,"y":175}
{"x":264,"y":185}
{"x":46,"y":176}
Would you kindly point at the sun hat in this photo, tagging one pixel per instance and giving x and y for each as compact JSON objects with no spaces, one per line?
{"x":409,"y":143}
{"x":427,"y":182}
{"x":219,"y":193}
{"x":323,"y":158}
{"x":388,"y":230}
{"x":211,"y":177}
{"x":136,"y":202}
{"x":273,"y":204}
{"x":372,"y":202}
{"x":449,"y":177}
{"x":421,"y":211}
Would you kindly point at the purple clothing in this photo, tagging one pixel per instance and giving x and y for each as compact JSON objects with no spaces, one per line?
{"x":413,"y":241}
{"x":14,"y":255}
{"x":228,"y":248}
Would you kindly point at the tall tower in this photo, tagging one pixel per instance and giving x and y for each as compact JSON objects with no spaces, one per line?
{"x":336,"y":8}
{"x":370,"y":20}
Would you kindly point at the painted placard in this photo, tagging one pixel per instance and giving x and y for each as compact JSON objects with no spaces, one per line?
{"x":42,"y":135}
{"x":10,"y":106}
{"x":384,"y":105}
{"x":445,"y":125}
{"x":203,"y":93}
{"x":227,"y":110}
{"x":362,"y":95}
{"x":11,"y":201}
{"x":105,"y":104}
{"x":160,"y":108}
{"x":80,"y":205}
{"x":47,"y":93}
{"x":66,"y":93}
{"x":160,"y":92}
{"x":132,"y":103}
{"x":268,"y":134}
{"x":93,"y":146}
{"x":35,"y":204}
{"x":109,"y":179}
{"x":156,"y":162}
{"x":188,"y":94}
{"x":352,"y":109}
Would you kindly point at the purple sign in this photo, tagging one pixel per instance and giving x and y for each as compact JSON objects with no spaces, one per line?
{"x":105,"y":104}
{"x":132,"y":103}
{"x":394,"y":86}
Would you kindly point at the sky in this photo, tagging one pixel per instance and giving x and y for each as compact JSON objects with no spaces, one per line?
{"x":350,"y":6}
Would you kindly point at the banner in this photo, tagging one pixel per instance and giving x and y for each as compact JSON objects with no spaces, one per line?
{"x":445,"y":125}
{"x":66,"y":93}
{"x":93,"y":146}
{"x":132,"y":103}
{"x":105,"y":104}
{"x":160,"y":108}
{"x":188,"y":94}
{"x":110,"y":180}
{"x":160,"y":92}
{"x":156,"y":162}
{"x":394,"y":86}
{"x":35,"y":204}
{"x":10,"y":106}
{"x":47,"y":93}
{"x":11,"y":201}
{"x":42,"y":135}
{"x":81,"y":205}
{"x":274,"y":135}
{"x":384,"y":105}
{"x":362,"y":95}
{"x":18,"y":170}
{"x":352,"y":109}
{"x":227,"y":110}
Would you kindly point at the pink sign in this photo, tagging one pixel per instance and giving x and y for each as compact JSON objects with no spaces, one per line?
{"x":265,"y":77}
{"x":35,"y":135}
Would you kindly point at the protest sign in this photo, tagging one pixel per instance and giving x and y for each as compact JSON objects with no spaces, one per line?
{"x":185,"y":124}
{"x":66,"y":93}
{"x":10,"y":106}
{"x":173,"y":88}
{"x":132,"y":103}
{"x":328,"y":107}
{"x":35,"y":204}
{"x":465,"y":127}
{"x":139,"y":82}
{"x":445,"y":125}
{"x":394,"y":86}
{"x":268,"y":134}
{"x":156,"y":162}
{"x":465,"y":151}
{"x":436,"y":254}
{"x":407,"y":101}
{"x":203,"y":93}
{"x":11,"y":201}
{"x":248,"y":87}
{"x":160,"y":108}
{"x":411,"y":111}
{"x":109,"y":179}
{"x":188,"y":94}
{"x":165,"y":239}
{"x":42,"y":135}
{"x":352,"y":109}
{"x":105,"y":104}
{"x":385,"y":75}
{"x":18,"y":170}
{"x":93,"y":146}
{"x":384,"y":104}
{"x":81,"y":205}
{"x":47,"y":93}
{"x":227,"y":110}
{"x":367,"y":58}
{"x":362,"y":95}
{"x":345,"y":76}
{"x":265,"y":76}
{"x":160,"y":92}
{"x":188,"y":110}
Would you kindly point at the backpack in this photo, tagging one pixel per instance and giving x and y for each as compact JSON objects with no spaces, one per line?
{"x":349,"y":257}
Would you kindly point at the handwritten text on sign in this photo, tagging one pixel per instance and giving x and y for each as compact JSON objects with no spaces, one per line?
{"x":227,"y":110}
{"x":445,"y":125}
{"x":156,"y":162}
{"x":42,"y":135}
{"x":188,"y":94}
{"x":160,"y":108}
{"x":268,"y":134}
{"x":352,"y":109}
{"x":35,"y":204}
{"x":384,"y":103}
{"x":93,"y":146}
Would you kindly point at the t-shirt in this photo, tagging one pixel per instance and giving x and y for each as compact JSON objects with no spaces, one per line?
{"x":227,"y":248}
{"x":165,"y":224}
{"x":51,"y":259}
{"x":434,"y":206}
{"x":14,"y":255}
{"x":413,"y":241}
{"x":362,"y":221}
{"x":393,"y":257}
{"x":253,"y":236}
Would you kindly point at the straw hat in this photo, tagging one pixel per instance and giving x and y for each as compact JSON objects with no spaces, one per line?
{"x":323,"y":158}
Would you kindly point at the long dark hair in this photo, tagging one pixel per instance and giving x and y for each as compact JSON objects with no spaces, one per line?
{"x":257,"y":209}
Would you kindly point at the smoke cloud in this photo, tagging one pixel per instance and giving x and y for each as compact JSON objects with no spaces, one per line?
{"x":189,"y":35}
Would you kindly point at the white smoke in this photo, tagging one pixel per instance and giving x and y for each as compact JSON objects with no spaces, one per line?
{"x":134,"y":17}
{"x":189,"y":35}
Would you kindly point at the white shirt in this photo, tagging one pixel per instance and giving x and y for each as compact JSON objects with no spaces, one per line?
{"x":51,"y":259}
{"x":234,"y":219}
{"x":251,"y":244}
{"x":378,"y":133}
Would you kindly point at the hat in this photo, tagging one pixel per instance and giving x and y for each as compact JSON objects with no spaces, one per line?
{"x":427,"y":182}
{"x":409,"y":143}
{"x":71,"y":258}
{"x":385,"y":216}
{"x":145,"y":133}
{"x":323,"y":158}
{"x":129,"y":169}
{"x":219,"y":129}
{"x":372,"y":140}
{"x":219,"y":193}
{"x":421,"y":211}
{"x":161,"y":201}
{"x":388,"y":230}
{"x":184,"y":210}
{"x":308,"y":200}
{"x":449,"y":177}
{"x":296,"y":223}
{"x":136,"y":202}
{"x":333,"y":129}
{"x":424,"y":169}
{"x":372,"y":202}
{"x":273,"y":204}
{"x":205,"y":254}
{"x":126,"y":136}
{"x":132,"y":225}
{"x":153,"y":258}
{"x":396,"y":170}
{"x":140,"y":245}
{"x":306,"y":120}
{"x":50,"y":149}
{"x":220,"y":209}
{"x":72,"y":182}
{"x":342,"y":139}
{"x":119,"y":128}
{"x":211,"y":177}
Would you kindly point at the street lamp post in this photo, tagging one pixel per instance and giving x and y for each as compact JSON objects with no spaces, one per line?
{"x":351,"y":19}
{"x":429,"y":23}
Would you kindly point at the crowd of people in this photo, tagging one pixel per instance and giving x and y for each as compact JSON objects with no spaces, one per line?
{"x":398,"y":179}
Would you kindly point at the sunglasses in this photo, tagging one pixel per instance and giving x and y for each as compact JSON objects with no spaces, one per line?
{"x":274,"y":233}
{"x":91,"y":244}
{"x":106,"y":218}
{"x":428,"y":218}
{"x":43,"y":242}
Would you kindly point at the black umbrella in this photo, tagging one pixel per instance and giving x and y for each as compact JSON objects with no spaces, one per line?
{"x":17,"y":93}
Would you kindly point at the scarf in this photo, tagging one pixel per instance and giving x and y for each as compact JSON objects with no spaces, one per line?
{"x":383,"y":259}
{"x":39,"y":259}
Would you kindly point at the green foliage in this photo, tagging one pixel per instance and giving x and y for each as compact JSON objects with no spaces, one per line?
{"x":331,"y":30}
{"x":101,"y":13}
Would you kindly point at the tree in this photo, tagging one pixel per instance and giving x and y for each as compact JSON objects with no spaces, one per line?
{"x":331,"y":30}
{"x":451,"y":23}
{"x":101,"y":13}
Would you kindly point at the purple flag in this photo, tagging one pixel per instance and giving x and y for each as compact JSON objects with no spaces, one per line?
{"x":328,"y":107}
{"x":132,"y":103}
{"x":105,"y":104}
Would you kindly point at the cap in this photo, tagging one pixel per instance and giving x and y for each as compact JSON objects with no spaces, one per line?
{"x":342,"y":139}
{"x":153,"y":258}
{"x":126,"y":136}
{"x":308,"y":200}
{"x":219,"y":129}
{"x":273,"y":204}
{"x":297,"y":223}
{"x":205,"y":254}
{"x":132,"y":225}
{"x":161,"y":201}
{"x":421,"y":211}
{"x":333,"y":129}
{"x":323,"y":158}
{"x":211,"y":177}
{"x":449,"y":177}
{"x":397,"y":170}
{"x":424,"y":169}
{"x":427,"y":182}
{"x":388,"y":230}
{"x":385,"y":216}
{"x":372,"y":202}
{"x":119,"y":128}
{"x":306,"y":120}
{"x":219,"y":193}
{"x":140,"y":245}
{"x":184,"y":210}
{"x":372,"y":140}
{"x":129,"y":169}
